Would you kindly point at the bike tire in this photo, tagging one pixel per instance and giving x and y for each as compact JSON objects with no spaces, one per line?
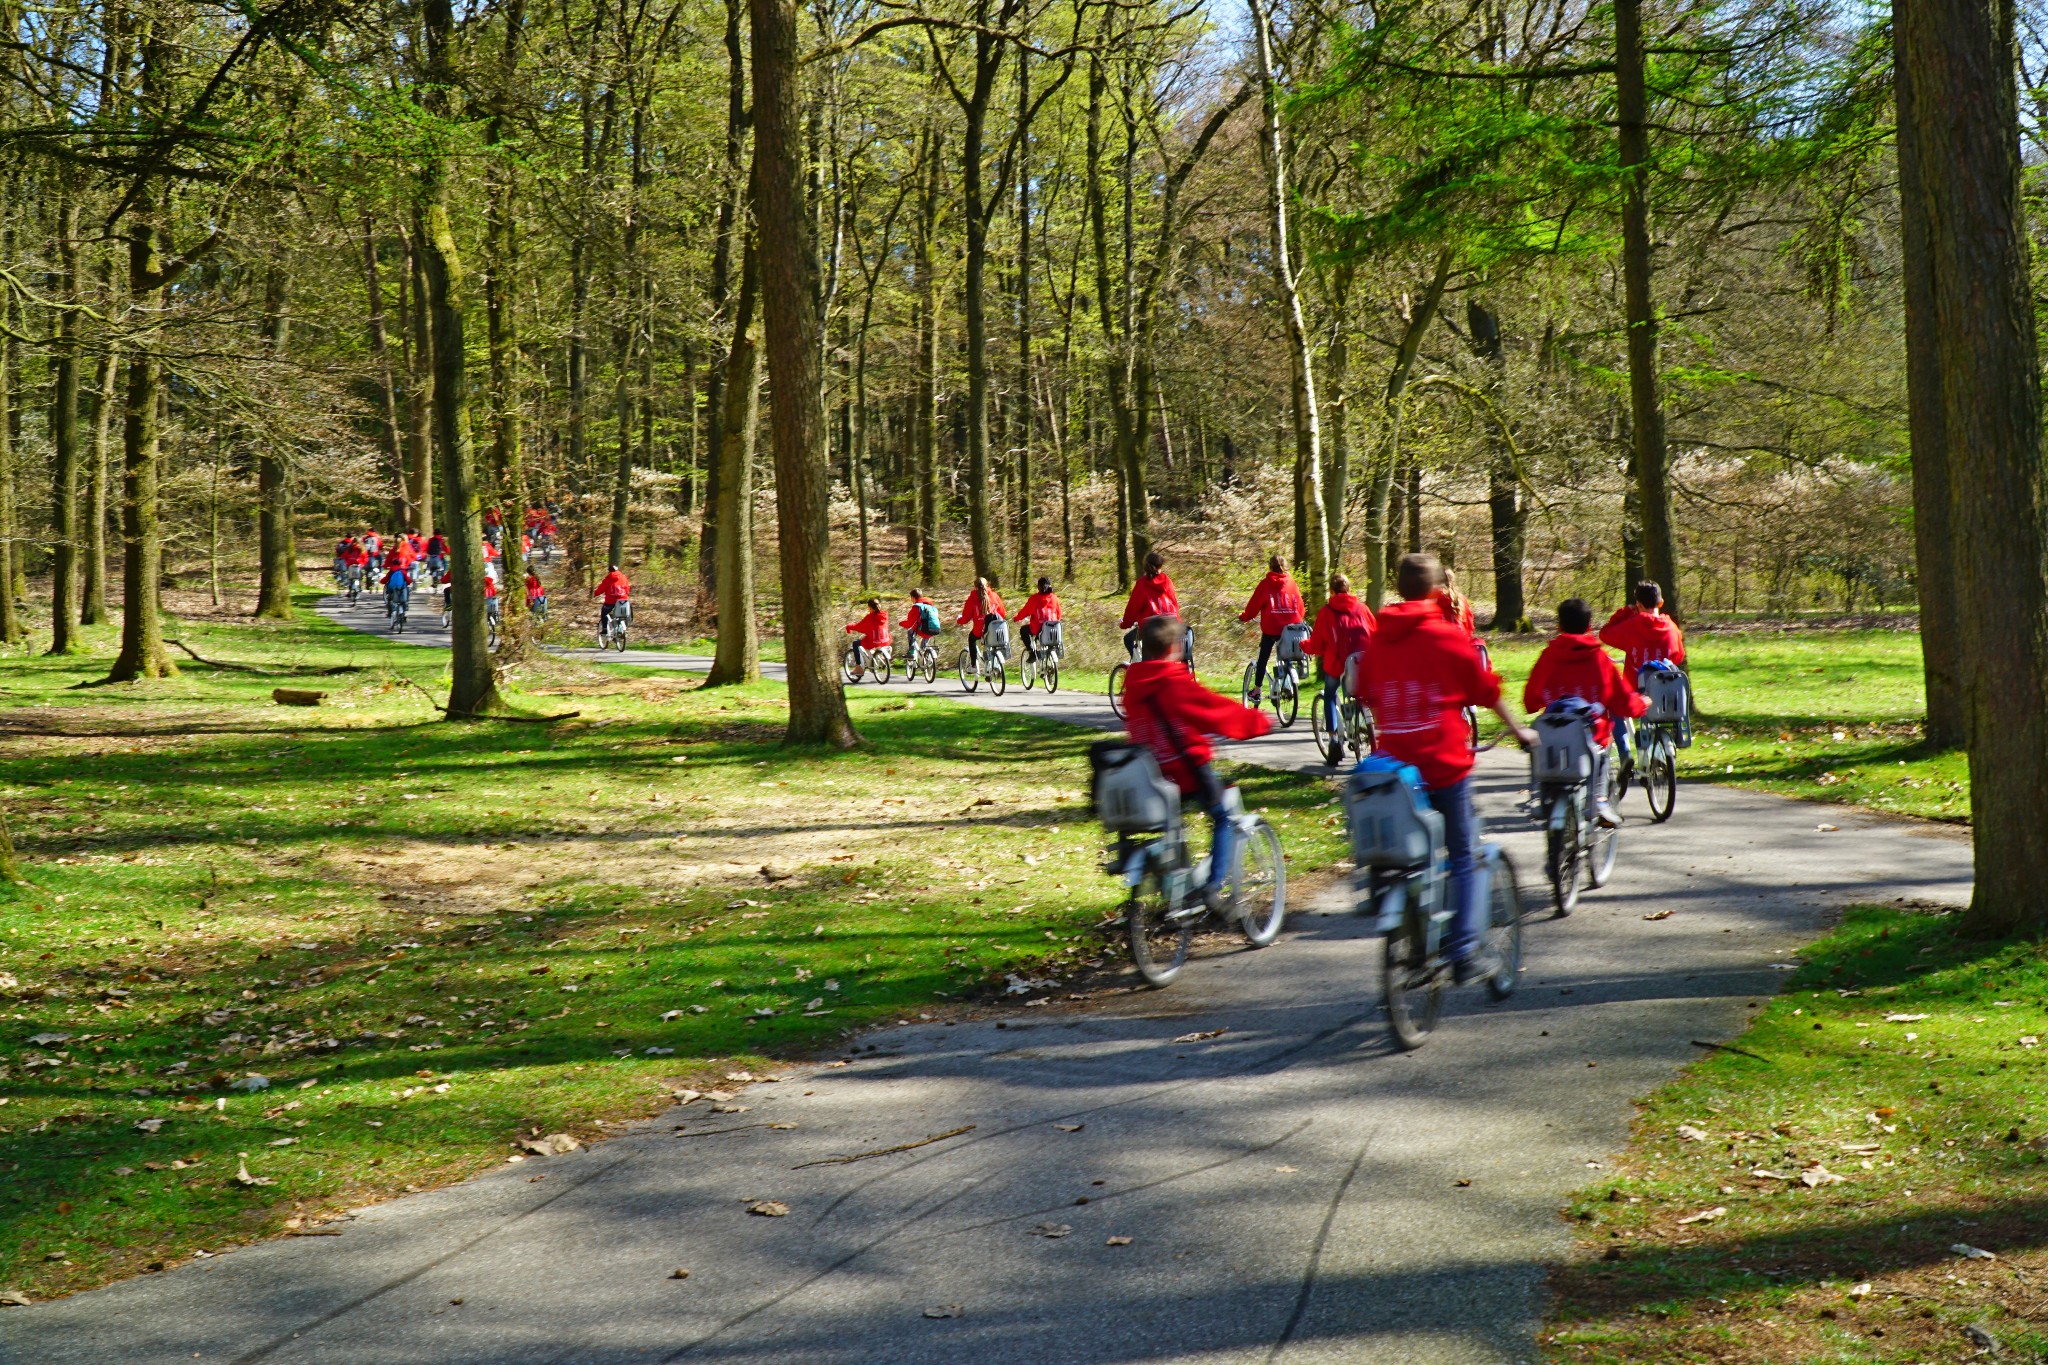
{"x":847,"y":677}
{"x":1286,"y":704}
{"x":1358,"y":728}
{"x":1116,"y":689}
{"x":1504,"y":930}
{"x":969,"y":679}
{"x":1600,"y":858}
{"x":1159,"y":947}
{"x":1329,"y":743}
{"x":1258,"y":886}
{"x":619,"y":639}
{"x":1027,"y":672}
{"x":931,"y":668}
{"x":1561,"y":865}
{"x":1244,"y":688}
{"x":999,"y":678}
{"x":882,"y":671}
{"x":1413,"y":985}
{"x":1051,"y":675}
{"x":1660,"y":784}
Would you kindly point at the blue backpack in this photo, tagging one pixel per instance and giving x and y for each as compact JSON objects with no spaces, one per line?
{"x":927,"y":619}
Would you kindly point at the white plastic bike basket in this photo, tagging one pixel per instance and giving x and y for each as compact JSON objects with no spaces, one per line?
{"x":1132,"y":796}
{"x":1669,"y":693}
{"x":1354,"y":670}
{"x":1565,"y":751}
{"x":1390,"y":826}
{"x":1288,"y":651}
{"x":1049,"y":637}
{"x":997,"y":637}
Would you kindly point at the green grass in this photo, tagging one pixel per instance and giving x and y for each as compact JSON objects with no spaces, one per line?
{"x":435,"y":939}
{"x":1937,"y":1126}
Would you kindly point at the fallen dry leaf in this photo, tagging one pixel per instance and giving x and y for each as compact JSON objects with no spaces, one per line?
{"x":768,"y":1208}
{"x":1689,"y":1133}
{"x":950,"y":1310}
{"x":242,"y":1176}
{"x":1817,"y":1175}
{"x":14,"y":1298}
{"x":783,"y":1126}
{"x":1463,"y":1182}
{"x":679,"y":1274}
{"x":1052,"y":1231}
{"x":1860,"y":1291}
{"x":1659,"y":914}
{"x":1970,"y":1253}
{"x":1070,"y":1127}
{"x":1703,"y":1216}
{"x":1202,"y":1037}
{"x":554,"y":1144}
{"x":1116,"y":1241}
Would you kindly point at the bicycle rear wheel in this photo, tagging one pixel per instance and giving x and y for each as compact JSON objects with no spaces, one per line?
{"x":1504,"y":930}
{"x":1414,"y":984}
{"x":1051,"y":675}
{"x":1561,"y":860}
{"x":1159,"y":946}
{"x":1258,"y":886}
{"x":1660,"y":783}
{"x":1116,"y":689}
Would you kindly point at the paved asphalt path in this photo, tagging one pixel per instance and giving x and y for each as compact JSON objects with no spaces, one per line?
{"x":1291,"y":1187}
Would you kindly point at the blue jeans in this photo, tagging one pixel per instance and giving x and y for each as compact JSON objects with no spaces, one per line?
{"x":1209,"y":790}
{"x":1329,"y":703}
{"x":1454,"y":803}
{"x":1622,"y":736}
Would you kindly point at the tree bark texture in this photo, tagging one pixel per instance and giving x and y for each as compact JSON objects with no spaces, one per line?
{"x":1503,"y":480}
{"x":276,"y":545}
{"x":1379,"y":519}
{"x":142,"y":634}
{"x":64,"y":445}
{"x":93,"y":611}
{"x":738,"y":658}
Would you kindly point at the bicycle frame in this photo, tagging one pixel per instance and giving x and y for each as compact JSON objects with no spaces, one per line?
{"x":1427,"y":887}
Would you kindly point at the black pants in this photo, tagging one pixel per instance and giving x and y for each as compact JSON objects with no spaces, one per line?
{"x":1266,"y":646}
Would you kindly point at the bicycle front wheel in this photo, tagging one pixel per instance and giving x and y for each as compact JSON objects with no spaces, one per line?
{"x":1284,"y":696}
{"x":1116,"y":689}
{"x":1358,"y":728}
{"x":931,"y":667}
{"x":1504,"y":930}
{"x":1245,"y":688}
{"x":1660,"y":783}
{"x":1600,"y":858}
{"x":1027,"y":670}
{"x":1329,"y":743}
{"x":1414,"y":984}
{"x":969,"y":679}
{"x":1159,"y":945}
{"x":1258,"y":886}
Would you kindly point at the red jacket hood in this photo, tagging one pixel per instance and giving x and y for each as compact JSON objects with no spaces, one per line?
{"x":1399,"y":620}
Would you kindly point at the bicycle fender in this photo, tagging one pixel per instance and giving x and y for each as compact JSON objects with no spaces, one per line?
{"x":1392,"y":907}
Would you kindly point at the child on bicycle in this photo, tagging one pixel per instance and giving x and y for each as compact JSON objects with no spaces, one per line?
{"x":1152,"y":595}
{"x":983,"y":607}
{"x":1173,"y":715}
{"x":1418,"y":678}
{"x":870,"y":632}
{"x":1343,"y":628}
{"x":1277,"y":603}
{"x":1038,"y":609}
{"x":920,"y":621}
{"x":1574,"y":665}
{"x":616,"y":593}
{"x":536,"y":595}
{"x":1643,"y":633}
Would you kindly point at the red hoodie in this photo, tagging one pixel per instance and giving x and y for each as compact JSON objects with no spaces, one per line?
{"x":1151,"y":596}
{"x":1039,"y":608}
{"x":1643,"y":637}
{"x":1457,"y":610}
{"x":1343,"y":628}
{"x":873,"y":630}
{"x":974,"y":613}
{"x":1276,"y":602}
{"x":613,"y":588}
{"x":1419,"y":676}
{"x":1576,"y":666}
{"x":909,"y":621}
{"x":1171,"y":714}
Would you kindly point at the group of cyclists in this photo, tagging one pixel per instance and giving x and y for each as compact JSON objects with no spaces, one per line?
{"x":406,"y":561}
{"x":1418,"y":667}
{"x":979,"y":614}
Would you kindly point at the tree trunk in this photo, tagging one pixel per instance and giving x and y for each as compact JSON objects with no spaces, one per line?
{"x":1652,"y":457}
{"x":11,"y":628}
{"x":927,"y":424}
{"x":1927,"y":423}
{"x":94,"y":610}
{"x":1337,"y":478}
{"x":739,"y":648}
{"x":420,"y":457}
{"x":1379,"y":528}
{"x":64,"y":458}
{"x":142,"y":634}
{"x":380,"y":352}
{"x":472,"y":686}
{"x":1503,"y":480}
{"x":501,"y":329}
{"x":789,"y":294}
{"x":981,"y":545}
{"x":277,"y":546}
{"x":732,"y":208}
{"x":1959,"y":56}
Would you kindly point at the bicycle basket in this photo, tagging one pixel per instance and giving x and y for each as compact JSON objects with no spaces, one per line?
{"x":1129,"y":792}
{"x":997,"y":636}
{"x":1669,"y":694}
{"x":1354,"y":674}
{"x":1391,"y":826}
{"x":1288,"y":651}
{"x":1049,"y":637}
{"x":1565,"y":750}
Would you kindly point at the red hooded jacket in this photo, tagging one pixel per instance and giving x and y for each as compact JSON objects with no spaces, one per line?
{"x":1643,"y":637}
{"x":1039,"y":608}
{"x":974,"y":613}
{"x":1418,"y":678}
{"x":613,"y":587}
{"x":1151,"y":596}
{"x":1457,"y":610}
{"x":1576,"y":666}
{"x":1171,"y":714}
{"x":1343,"y":628}
{"x":909,"y":621}
{"x":873,"y":630}
{"x":1276,"y":602}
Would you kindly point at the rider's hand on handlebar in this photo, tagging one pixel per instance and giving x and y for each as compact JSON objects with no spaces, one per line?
{"x":1525,"y":736}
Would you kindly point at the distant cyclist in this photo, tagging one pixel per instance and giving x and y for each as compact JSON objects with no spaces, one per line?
{"x":615,"y":592}
{"x":397,"y":586}
{"x":536,"y":595}
{"x":920,"y":619}
{"x":1040,"y":608}
{"x":374,"y":543}
{"x":1418,"y":678}
{"x":1574,"y":665}
{"x":870,"y":632}
{"x":437,"y":554}
{"x":1343,"y":628}
{"x":341,"y":554}
{"x":983,"y":607}
{"x":1277,"y":604}
{"x":1152,"y":595}
{"x":1643,"y":633}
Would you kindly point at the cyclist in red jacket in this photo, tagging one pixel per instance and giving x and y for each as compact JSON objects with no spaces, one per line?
{"x":870,"y":632}
{"x":1173,"y":715}
{"x":1152,"y":595}
{"x":615,"y":591}
{"x":983,"y":606}
{"x":1343,"y":628}
{"x":1643,"y":633}
{"x":1456,"y":607}
{"x":920,"y":618}
{"x":1418,"y":678}
{"x":1277,"y":603}
{"x":1039,"y":608}
{"x":1574,"y":665}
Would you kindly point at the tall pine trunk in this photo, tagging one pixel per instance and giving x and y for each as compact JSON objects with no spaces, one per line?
{"x":277,"y":546}
{"x":1379,"y":519}
{"x":789,"y":296}
{"x":142,"y":634}
{"x":738,"y":658}
{"x":501,"y":329}
{"x":1503,"y":481}
{"x":64,"y":446}
{"x":93,"y":611}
